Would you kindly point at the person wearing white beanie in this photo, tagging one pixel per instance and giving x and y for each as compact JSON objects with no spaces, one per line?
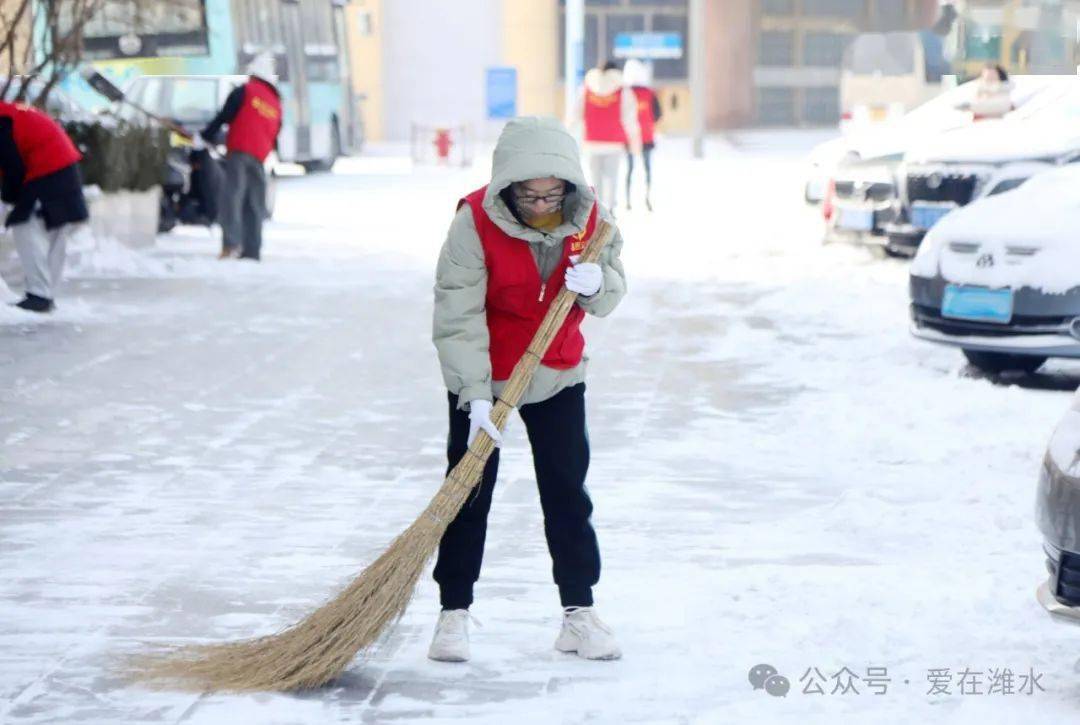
{"x":253,"y":114}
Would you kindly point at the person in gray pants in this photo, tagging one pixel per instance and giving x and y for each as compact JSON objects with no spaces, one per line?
{"x":253,"y":113}
{"x":243,"y":206}
{"x":40,"y":180}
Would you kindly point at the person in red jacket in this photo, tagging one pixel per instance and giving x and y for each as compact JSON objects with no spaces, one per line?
{"x":253,"y":113}
{"x":511,"y":247}
{"x":41,"y":182}
{"x":636,"y":79}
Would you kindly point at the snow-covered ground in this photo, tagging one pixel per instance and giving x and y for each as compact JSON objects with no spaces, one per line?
{"x":197,"y":450}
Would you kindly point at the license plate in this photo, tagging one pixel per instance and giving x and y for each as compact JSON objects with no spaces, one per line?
{"x":978,"y":304}
{"x":878,"y":113}
{"x":926,"y":216}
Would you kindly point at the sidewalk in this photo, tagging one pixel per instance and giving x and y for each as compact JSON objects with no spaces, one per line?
{"x":206,"y":451}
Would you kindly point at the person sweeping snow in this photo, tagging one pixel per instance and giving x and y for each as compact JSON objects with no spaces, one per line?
{"x":39,"y":167}
{"x":253,"y":113}
{"x":510,"y":247}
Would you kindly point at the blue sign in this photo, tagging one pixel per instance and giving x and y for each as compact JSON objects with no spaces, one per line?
{"x":501,"y":92}
{"x":648,"y":45}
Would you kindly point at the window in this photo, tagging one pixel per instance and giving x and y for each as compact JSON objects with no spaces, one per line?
{"x":887,"y":54}
{"x":778,"y":7}
{"x":615,"y":24}
{"x":776,"y":48}
{"x":824,"y":49}
{"x":317,"y":28}
{"x":821,"y":105}
{"x":669,"y":68}
{"x":776,"y":106}
{"x":605,"y":20}
{"x":850,"y":9}
{"x":322,"y":69}
{"x":891,"y":15}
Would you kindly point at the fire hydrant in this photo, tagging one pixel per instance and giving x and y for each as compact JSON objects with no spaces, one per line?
{"x":442,"y":144}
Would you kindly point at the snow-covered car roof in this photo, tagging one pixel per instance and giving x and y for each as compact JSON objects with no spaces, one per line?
{"x":938,"y":115}
{"x":1046,"y":127}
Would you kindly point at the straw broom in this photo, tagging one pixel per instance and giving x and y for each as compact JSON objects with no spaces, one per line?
{"x":318,"y":648}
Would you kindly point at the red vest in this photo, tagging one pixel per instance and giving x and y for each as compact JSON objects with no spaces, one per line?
{"x":42,"y":143}
{"x":256,"y":125}
{"x":645,"y":113}
{"x":517,"y":299}
{"x":603,"y":117}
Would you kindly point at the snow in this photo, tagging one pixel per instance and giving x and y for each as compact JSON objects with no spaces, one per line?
{"x":197,"y":450}
{"x":1042,"y":214}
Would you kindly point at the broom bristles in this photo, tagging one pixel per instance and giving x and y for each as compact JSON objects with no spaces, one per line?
{"x":315,"y":650}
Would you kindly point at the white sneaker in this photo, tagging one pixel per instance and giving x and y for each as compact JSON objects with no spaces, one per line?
{"x":584,"y":633}
{"x":451,"y":640}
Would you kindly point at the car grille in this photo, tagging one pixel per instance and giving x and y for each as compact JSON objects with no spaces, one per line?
{"x":1068,"y":579}
{"x":1020,"y":325}
{"x":854,"y":191}
{"x":1011,"y":251}
{"x":957,"y":188}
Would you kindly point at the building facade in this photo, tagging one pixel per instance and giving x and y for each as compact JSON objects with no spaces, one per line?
{"x":768,"y":62}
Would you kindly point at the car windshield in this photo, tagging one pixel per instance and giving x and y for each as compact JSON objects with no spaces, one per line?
{"x":190,"y":101}
{"x":884,"y":54}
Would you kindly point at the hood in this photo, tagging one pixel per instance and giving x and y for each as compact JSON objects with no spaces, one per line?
{"x":534,"y":148}
{"x":635,"y":73}
{"x":999,"y":141}
{"x":603,"y":82}
{"x":1042,"y":255}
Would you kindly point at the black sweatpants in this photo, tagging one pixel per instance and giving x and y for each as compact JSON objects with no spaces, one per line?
{"x":646,"y":158}
{"x":560,"y":446}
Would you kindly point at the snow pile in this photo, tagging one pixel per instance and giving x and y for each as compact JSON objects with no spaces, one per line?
{"x":91,"y":256}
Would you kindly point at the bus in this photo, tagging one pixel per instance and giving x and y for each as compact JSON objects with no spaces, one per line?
{"x":165,"y":43}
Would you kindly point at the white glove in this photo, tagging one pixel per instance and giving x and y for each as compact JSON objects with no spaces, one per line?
{"x":197,"y":142}
{"x":480,"y":419}
{"x":584,"y":278}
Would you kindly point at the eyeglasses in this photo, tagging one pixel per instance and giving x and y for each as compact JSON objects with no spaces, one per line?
{"x":547,"y":199}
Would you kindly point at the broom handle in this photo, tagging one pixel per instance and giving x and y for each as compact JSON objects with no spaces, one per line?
{"x":483,"y":446}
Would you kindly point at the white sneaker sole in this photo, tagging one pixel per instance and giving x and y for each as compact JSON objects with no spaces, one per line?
{"x":573,"y":646}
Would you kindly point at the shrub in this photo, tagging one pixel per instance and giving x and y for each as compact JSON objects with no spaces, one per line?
{"x":120,"y":156}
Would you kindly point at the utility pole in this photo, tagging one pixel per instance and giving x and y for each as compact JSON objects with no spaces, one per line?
{"x":574,"y":56}
{"x":697,"y":74}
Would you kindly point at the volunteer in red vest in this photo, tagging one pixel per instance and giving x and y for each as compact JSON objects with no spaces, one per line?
{"x":608,"y":118}
{"x":636,"y":78}
{"x":511,"y":247}
{"x":41,"y":182}
{"x":253,"y":114}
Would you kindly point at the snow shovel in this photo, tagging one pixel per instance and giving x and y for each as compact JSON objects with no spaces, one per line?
{"x":316,"y":649}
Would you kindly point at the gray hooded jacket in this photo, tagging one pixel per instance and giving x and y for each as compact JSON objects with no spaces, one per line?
{"x":529,"y":148}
